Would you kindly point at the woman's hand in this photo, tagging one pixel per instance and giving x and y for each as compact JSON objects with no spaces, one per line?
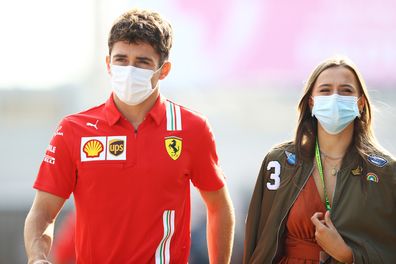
{"x":329,"y":239}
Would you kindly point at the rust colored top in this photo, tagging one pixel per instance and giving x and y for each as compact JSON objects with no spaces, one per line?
{"x":299,"y":243}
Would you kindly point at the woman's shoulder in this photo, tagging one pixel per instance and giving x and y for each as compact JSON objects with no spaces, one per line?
{"x":380,"y":161}
{"x":285,"y":151}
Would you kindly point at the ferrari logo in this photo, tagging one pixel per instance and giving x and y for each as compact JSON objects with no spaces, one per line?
{"x":173,"y":146}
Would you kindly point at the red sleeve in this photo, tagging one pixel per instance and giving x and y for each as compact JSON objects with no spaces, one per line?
{"x":206,"y":174}
{"x":57,"y":174}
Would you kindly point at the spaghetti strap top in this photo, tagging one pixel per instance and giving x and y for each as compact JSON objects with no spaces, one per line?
{"x":299,"y":244}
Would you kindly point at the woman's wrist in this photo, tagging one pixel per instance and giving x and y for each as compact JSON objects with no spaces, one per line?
{"x":346,"y":255}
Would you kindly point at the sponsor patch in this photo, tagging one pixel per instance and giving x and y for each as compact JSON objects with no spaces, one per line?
{"x":377,"y":160}
{"x":291,"y":158}
{"x":51,"y":149}
{"x":93,"y":148}
{"x":372,"y":177}
{"x":89,"y":124}
{"x":49,"y":159}
{"x":358,"y":171}
{"x":58,"y":131}
{"x":116,"y":148}
{"x":173,"y":146}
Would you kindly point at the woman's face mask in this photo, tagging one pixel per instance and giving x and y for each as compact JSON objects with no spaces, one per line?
{"x":335,"y":112}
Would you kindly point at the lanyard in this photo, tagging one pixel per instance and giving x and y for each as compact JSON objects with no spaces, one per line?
{"x":320,"y":168}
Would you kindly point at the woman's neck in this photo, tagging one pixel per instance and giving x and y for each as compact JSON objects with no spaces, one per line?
{"x":335,"y":145}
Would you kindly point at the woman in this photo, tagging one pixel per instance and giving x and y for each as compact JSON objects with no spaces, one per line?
{"x":330,"y":195}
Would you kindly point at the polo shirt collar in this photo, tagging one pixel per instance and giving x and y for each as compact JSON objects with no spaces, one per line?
{"x":157,"y":113}
{"x":111,"y":111}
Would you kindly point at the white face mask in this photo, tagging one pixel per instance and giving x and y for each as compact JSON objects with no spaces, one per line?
{"x":335,"y":112}
{"x":132,"y":85}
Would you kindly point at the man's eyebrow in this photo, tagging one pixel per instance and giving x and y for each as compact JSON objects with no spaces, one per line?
{"x":142,"y":58}
{"x":119,"y":56}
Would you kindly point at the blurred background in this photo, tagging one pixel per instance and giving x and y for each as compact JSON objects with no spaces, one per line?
{"x":242,"y":63}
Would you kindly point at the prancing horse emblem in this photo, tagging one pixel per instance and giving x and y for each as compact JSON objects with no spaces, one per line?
{"x":173,"y":146}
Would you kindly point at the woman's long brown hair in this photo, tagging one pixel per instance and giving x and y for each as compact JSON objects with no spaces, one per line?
{"x":306,"y":133}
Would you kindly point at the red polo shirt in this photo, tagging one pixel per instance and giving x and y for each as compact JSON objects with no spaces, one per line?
{"x":131,"y":188}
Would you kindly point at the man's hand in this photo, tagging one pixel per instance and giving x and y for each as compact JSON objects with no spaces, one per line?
{"x":329,"y":239}
{"x":41,"y":261}
{"x":39,"y":226}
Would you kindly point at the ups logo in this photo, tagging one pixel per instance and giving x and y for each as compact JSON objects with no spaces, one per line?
{"x":116,"y":147}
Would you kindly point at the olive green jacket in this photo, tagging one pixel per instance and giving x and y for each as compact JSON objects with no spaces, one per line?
{"x":363,"y":208}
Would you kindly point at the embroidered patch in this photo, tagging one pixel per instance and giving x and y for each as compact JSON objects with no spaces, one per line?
{"x":49,"y":159}
{"x":93,"y":148}
{"x":274,"y":180}
{"x":377,"y":160}
{"x":291,"y":158}
{"x":94,"y":125}
{"x":116,"y":148}
{"x":372,"y":177}
{"x":173,"y":146}
{"x":358,"y":171}
{"x":51,"y":149}
{"x":58,"y":131}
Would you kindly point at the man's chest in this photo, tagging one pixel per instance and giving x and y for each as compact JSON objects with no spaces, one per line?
{"x":143,"y":157}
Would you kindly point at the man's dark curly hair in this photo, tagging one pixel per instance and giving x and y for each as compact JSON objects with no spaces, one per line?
{"x":142,"y":26}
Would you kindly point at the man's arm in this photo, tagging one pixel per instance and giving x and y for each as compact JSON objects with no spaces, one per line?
{"x":39,"y":226}
{"x":220,"y":226}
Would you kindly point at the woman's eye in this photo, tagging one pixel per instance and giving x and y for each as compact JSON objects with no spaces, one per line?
{"x":324,"y":90}
{"x":346,"y":91}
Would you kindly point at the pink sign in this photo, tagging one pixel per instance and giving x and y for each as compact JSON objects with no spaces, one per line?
{"x":286,"y":39}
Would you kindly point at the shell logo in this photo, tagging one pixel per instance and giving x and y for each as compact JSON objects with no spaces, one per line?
{"x":93,"y":148}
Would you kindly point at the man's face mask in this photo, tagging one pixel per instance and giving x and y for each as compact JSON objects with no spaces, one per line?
{"x":335,"y":112}
{"x":132,"y":85}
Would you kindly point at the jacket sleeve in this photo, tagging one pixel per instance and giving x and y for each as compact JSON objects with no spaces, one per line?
{"x":365,"y":254}
{"x":253,"y":217}
{"x":381,"y":250}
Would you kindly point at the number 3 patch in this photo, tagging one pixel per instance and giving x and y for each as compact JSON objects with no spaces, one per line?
{"x":275,"y":175}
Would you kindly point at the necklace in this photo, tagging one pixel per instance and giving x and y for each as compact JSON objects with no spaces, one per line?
{"x":331,"y":157}
{"x":334,"y":171}
{"x":334,"y":168}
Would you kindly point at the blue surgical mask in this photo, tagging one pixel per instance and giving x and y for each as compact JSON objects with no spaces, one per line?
{"x":335,"y":112}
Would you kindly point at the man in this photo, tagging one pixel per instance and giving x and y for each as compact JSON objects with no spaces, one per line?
{"x":129,"y":163}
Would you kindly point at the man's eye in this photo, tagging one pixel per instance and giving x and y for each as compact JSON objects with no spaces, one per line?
{"x":144,"y":65}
